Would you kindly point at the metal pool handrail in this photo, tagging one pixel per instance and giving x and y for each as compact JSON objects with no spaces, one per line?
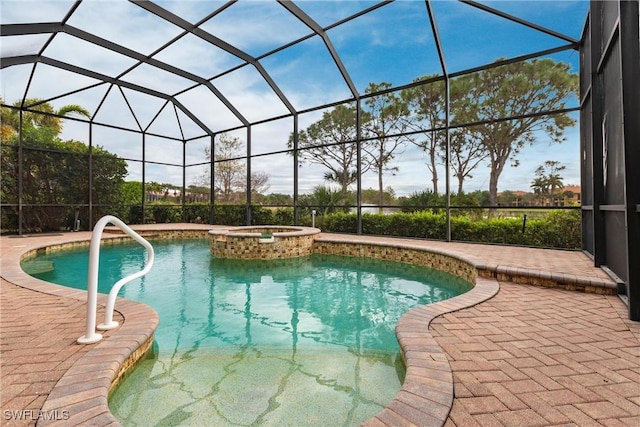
{"x":90,"y":335}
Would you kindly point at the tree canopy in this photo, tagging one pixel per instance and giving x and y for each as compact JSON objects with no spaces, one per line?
{"x":331,"y":142}
{"x":54,"y":174}
{"x":230,"y":171}
{"x":511,"y":105}
{"x":385,"y":129}
{"x":43,"y":115}
{"x":493,"y":113}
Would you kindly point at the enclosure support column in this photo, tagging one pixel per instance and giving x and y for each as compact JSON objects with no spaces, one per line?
{"x":447,"y":161}
{"x":90,"y":180}
{"x":144,"y":182}
{"x":184,"y":180}
{"x":212,"y":188}
{"x":296,"y":213}
{"x":586,"y":142}
{"x":630,"y":58}
{"x":443,"y":65}
{"x":598,"y":225}
{"x":20,"y":172}
{"x":249,"y":219}
{"x":358,"y":168}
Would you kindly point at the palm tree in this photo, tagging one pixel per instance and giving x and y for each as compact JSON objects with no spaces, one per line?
{"x":39,"y":114}
{"x":555,"y":184}
{"x":548,"y":179}
{"x":540,"y":187}
{"x":327,"y":200}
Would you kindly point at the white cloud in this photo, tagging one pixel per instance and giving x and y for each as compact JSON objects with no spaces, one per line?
{"x":49,"y":82}
{"x":75,"y":51}
{"x":197,"y":56}
{"x":25,"y":11}
{"x":124,"y":23}
{"x":256,"y":26}
{"x":22,"y":45}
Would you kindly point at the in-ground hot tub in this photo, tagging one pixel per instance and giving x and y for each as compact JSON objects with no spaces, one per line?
{"x":262,"y":241}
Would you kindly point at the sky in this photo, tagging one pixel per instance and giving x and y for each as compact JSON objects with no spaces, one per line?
{"x":393,"y":43}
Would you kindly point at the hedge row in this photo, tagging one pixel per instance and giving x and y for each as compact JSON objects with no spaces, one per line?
{"x":199,"y":213}
{"x":558,"y":229}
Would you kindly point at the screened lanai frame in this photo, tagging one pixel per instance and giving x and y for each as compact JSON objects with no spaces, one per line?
{"x":602,"y":31}
{"x":355,"y":96}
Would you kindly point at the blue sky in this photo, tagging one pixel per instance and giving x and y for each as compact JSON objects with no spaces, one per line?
{"x":392,"y":44}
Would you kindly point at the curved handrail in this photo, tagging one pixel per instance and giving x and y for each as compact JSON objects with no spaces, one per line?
{"x":90,"y":335}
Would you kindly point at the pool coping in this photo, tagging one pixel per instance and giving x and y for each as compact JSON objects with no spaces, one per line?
{"x":81,"y":393}
{"x":425,"y":397}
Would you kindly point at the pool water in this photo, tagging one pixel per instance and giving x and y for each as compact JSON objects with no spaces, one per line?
{"x":304,"y":341}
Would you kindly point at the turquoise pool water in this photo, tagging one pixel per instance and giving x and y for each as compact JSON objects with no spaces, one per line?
{"x":307,"y":341}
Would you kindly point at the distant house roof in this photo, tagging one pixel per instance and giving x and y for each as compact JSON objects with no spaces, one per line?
{"x":573,"y":188}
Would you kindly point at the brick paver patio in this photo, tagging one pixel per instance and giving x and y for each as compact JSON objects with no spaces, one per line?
{"x":527,"y":356}
{"x":38,"y":346}
{"x":537,"y":357}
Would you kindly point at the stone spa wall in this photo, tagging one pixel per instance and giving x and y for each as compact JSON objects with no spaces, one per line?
{"x":262,"y":242}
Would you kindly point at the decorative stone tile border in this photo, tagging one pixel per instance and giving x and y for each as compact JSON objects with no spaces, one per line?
{"x":365,"y":246}
{"x":401,"y":253}
{"x":262,"y":242}
{"x":162,"y":233}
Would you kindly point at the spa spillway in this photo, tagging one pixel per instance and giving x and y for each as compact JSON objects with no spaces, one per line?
{"x":262,"y":242}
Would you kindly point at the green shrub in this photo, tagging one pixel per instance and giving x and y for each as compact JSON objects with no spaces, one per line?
{"x":338,"y":222}
{"x":133,"y":215}
{"x":166,"y":213}
{"x":400,"y":224}
{"x":558,"y":229}
{"x":261,"y":216}
{"x":9,"y":219}
{"x":197,"y":213}
{"x":283,"y":216}
{"x":376,"y":224}
{"x":429,"y":225}
{"x":230,"y":214}
{"x":424,"y":224}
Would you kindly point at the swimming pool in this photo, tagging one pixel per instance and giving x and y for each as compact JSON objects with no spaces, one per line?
{"x":300,"y":341}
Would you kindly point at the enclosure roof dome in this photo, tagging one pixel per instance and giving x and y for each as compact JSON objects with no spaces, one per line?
{"x":187,"y":69}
